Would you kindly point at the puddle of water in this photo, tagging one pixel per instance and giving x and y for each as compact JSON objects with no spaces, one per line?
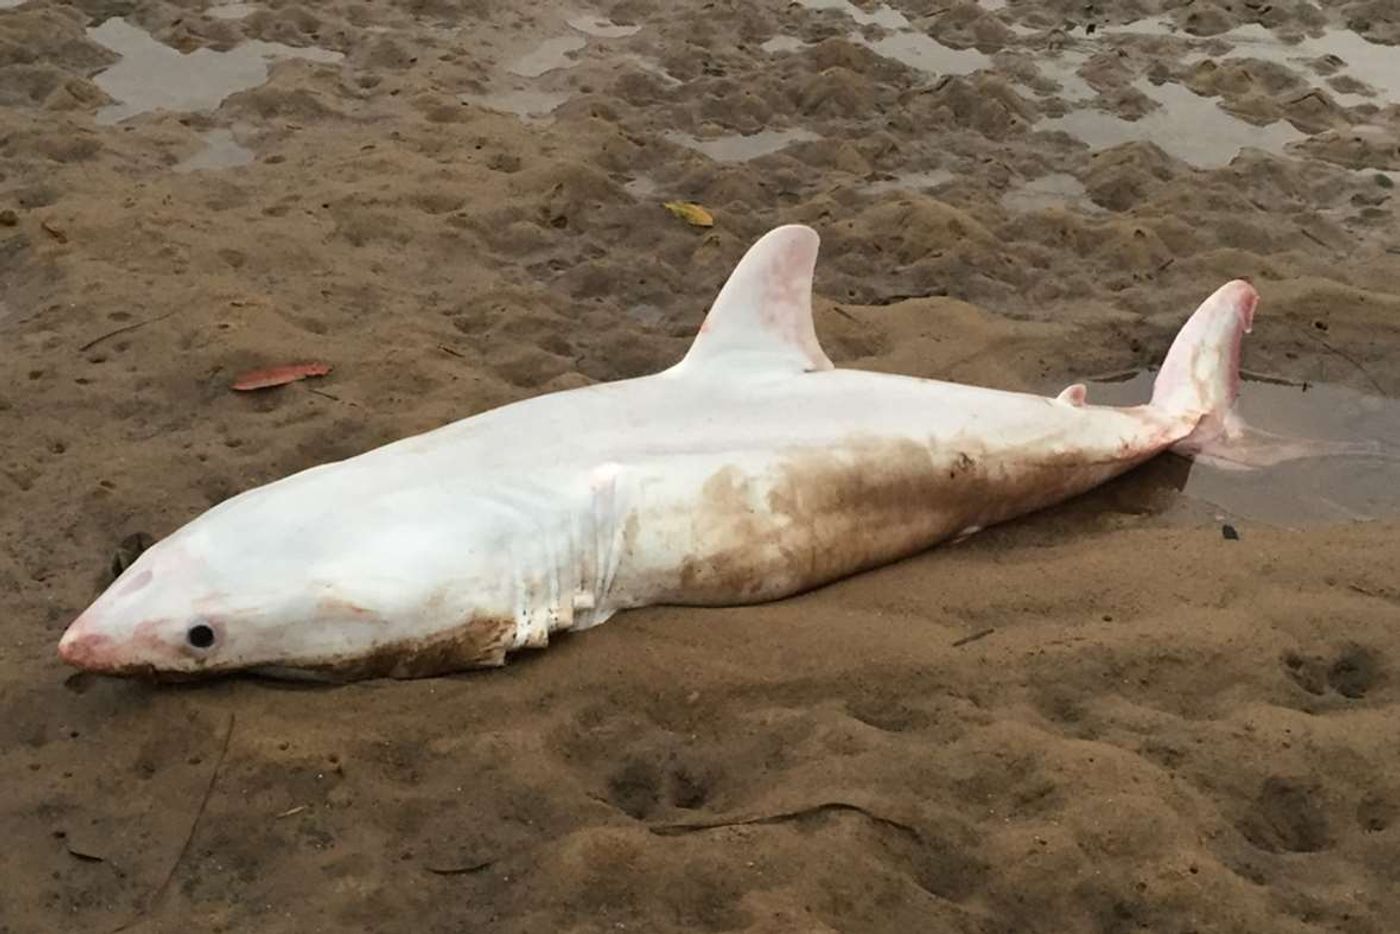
{"x":992,"y":6}
{"x":910,"y":181}
{"x":641,"y":187}
{"x":1054,"y":190}
{"x":547,"y":56}
{"x":902,"y":42}
{"x":881,"y":16}
{"x":231,"y":10}
{"x":1320,"y":489}
{"x":601,"y":27}
{"x":926,"y":53}
{"x":739,"y":148}
{"x":650,"y":66}
{"x":221,"y":151}
{"x":1063,"y":69}
{"x":11,"y":4}
{"x":521,"y":103}
{"x":1367,"y":62}
{"x":783,"y":44}
{"x":153,"y":76}
{"x":1192,"y":128}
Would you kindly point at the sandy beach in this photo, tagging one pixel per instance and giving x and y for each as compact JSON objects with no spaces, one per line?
{"x":1171,"y":705}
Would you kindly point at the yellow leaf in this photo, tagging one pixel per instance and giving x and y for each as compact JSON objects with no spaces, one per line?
{"x":692,"y":214}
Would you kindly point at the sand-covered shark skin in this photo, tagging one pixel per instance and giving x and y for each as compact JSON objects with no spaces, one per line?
{"x":749,"y":471}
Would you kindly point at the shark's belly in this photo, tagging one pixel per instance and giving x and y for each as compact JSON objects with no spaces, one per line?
{"x":757,"y":527}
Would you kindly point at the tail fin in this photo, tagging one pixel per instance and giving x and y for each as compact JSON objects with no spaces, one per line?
{"x":1201,"y":378}
{"x":1201,"y":374}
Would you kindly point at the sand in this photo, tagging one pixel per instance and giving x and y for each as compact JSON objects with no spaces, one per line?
{"x":1116,"y":716}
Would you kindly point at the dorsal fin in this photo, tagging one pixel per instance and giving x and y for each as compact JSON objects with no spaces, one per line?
{"x":762,"y":319}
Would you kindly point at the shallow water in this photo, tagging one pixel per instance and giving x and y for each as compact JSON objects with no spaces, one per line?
{"x":739,"y":148}
{"x":1370,"y":63}
{"x":549,"y":55}
{"x":1320,"y":489}
{"x":1192,"y":128}
{"x":901,"y":43}
{"x":783,"y":44}
{"x":521,"y":102}
{"x":153,"y":76}
{"x":1058,"y":189}
{"x":910,"y":181}
{"x":601,"y":27}
{"x":882,"y":16}
{"x":1063,"y":69}
{"x":927,"y":54}
{"x":221,"y":151}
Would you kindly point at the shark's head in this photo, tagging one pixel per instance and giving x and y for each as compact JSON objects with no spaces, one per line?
{"x":176,"y":613}
{"x":293,"y":583}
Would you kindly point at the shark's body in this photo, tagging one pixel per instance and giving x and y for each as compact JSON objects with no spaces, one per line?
{"x":750,"y":471}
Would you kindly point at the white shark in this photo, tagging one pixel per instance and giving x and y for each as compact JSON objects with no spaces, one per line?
{"x":750,"y":471}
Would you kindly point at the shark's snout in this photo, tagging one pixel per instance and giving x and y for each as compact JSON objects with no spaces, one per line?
{"x":84,"y":648}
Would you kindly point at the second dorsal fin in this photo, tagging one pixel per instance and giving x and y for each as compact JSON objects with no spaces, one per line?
{"x":762,"y":320}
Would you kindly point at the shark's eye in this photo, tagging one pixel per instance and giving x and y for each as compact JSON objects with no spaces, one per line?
{"x":200,"y":636}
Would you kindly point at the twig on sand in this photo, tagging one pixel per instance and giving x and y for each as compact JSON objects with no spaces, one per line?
{"x":1347,"y":357}
{"x":1257,"y":377}
{"x":322,"y":392}
{"x":460,"y":870}
{"x":973,"y":638}
{"x":154,"y":901}
{"x":672,"y":830}
{"x":122,"y":330}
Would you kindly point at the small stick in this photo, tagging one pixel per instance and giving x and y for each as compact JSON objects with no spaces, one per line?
{"x":322,"y":392}
{"x":122,"y":330}
{"x":1270,"y":378}
{"x":154,"y":900}
{"x":1347,"y":357}
{"x":973,"y":638}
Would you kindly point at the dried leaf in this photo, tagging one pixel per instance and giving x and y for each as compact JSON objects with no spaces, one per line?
{"x":83,"y":852}
{"x":460,"y":870}
{"x":279,"y":375}
{"x":693,"y":214}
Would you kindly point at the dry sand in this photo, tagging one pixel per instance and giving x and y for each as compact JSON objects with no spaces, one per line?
{"x":1106,"y":718}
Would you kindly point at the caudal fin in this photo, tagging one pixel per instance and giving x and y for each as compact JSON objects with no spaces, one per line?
{"x":1200,"y":377}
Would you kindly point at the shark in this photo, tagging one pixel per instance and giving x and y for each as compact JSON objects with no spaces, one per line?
{"x":751,"y":470}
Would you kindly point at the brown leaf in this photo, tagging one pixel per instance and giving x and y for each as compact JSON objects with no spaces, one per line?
{"x":279,"y":375}
{"x":460,"y":870}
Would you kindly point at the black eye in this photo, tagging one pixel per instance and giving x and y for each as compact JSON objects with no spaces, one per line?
{"x":200,"y":636}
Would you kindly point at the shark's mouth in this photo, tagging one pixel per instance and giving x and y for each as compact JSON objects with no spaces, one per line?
{"x":481,"y":642}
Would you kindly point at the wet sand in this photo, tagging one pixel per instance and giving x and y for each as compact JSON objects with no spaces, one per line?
{"x":1168,"y":706}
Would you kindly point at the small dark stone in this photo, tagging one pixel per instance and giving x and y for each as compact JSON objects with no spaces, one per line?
{"x":8,"y":218}
{"x":1231,"y":535}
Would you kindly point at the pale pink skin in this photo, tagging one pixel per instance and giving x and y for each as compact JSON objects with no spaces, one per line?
{"x":749,"y":471}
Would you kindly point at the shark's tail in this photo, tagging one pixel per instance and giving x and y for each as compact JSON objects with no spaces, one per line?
{"x":1200,"y":379}
{"x":1201,"y":375}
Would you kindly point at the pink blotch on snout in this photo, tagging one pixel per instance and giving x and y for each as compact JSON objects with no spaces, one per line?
{"x":83,"y":648}
{"x":135,"y":584}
